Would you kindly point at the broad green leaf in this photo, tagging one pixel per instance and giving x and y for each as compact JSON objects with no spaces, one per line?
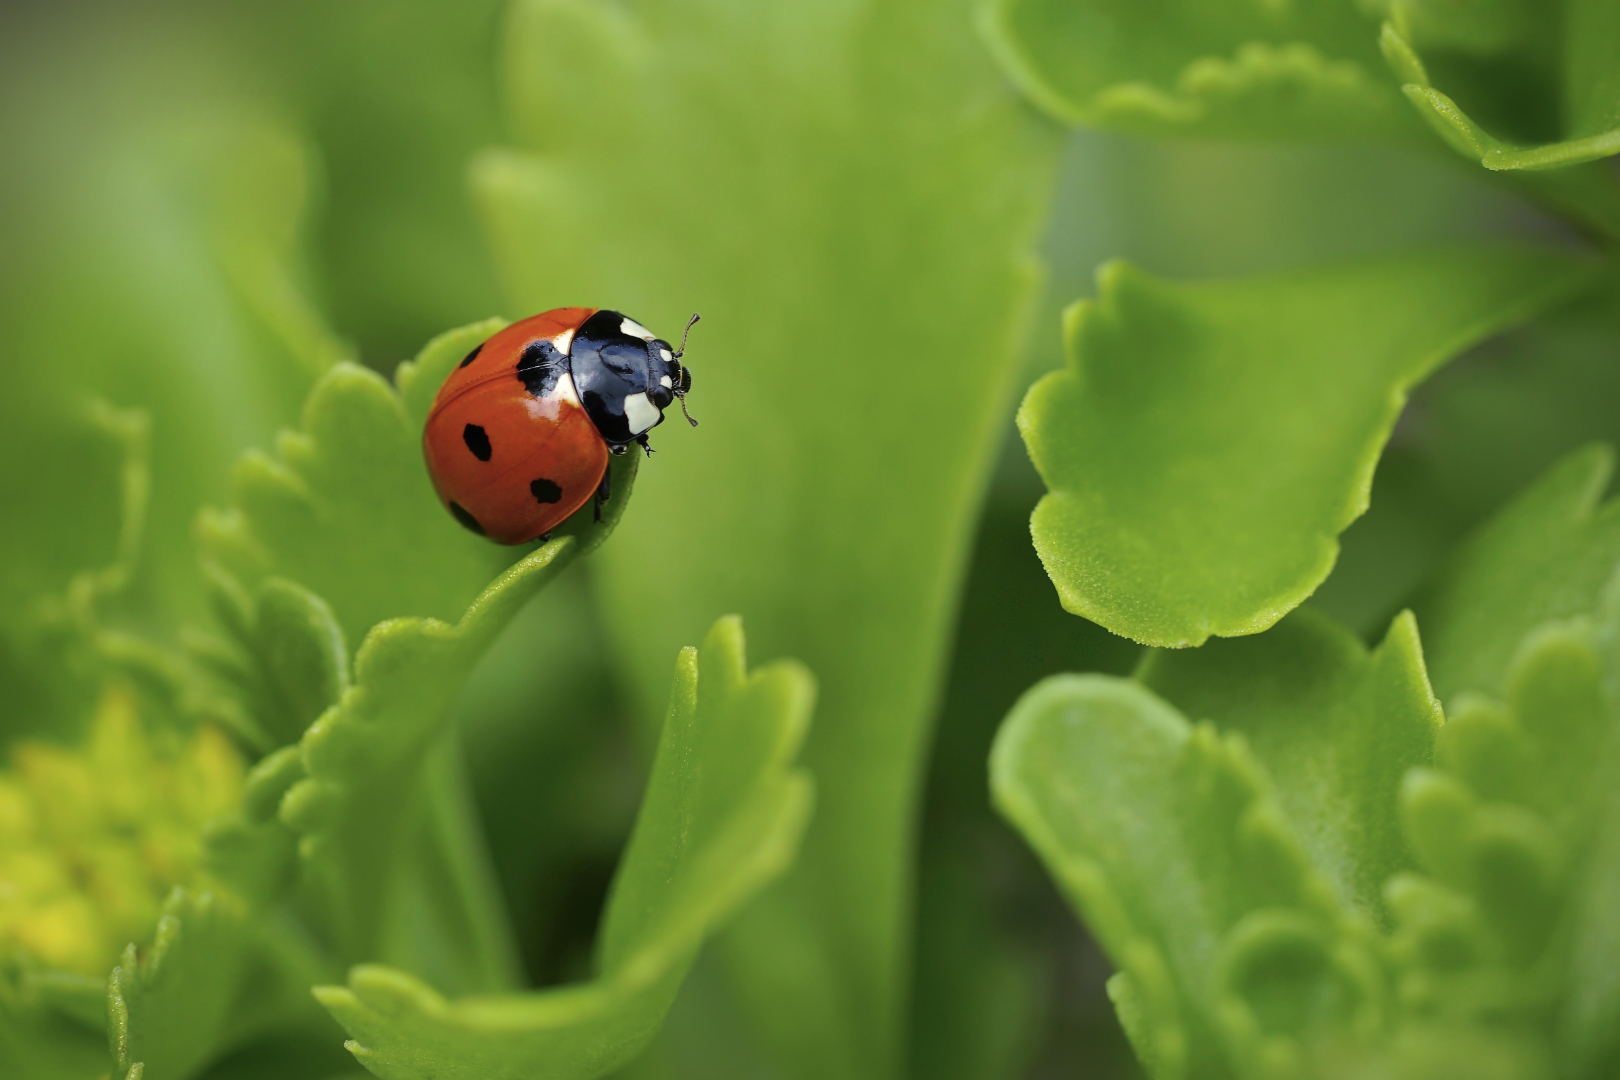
{"x":212,"y":978}
{"x":1590,"y":112}
{"x":1209,"y":441}
{"x":1290,"y":70}
{"x":1544,"y":556}
{"x":861,"y":198}
{"x":722,"y":816}
{"x":1335,"y":724}
{"x":1169,"y":839}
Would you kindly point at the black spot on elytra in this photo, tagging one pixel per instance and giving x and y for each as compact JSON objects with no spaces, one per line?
{"x":545,"y":491}
{"x":477,"y":441}
{"x":472,"y":355}
{"x":469,"y":522}
{"x":540,"y":366}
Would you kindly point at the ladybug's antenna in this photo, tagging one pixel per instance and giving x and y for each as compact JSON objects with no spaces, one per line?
{"x":680,"y":352}
{"x":680,"y":392}
{"x":681,"y":397}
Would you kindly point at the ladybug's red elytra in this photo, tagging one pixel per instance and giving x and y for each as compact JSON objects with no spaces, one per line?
{"x":520,"y":433}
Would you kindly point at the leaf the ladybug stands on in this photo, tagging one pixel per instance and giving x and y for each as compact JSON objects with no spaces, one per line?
{"x":344,"y":507}
{"x":370,"y":796}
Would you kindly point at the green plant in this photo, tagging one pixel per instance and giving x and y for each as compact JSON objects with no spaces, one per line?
{"x":292,"y":759}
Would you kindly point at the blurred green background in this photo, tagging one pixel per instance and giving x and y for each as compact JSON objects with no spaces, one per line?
{"x":202,"y":206}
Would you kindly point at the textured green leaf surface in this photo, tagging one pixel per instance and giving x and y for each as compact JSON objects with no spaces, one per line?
{"x":850,"y":195}
{"x":1307,"y":69}
{"x":722,"y":816}
{"x":210,"y":978}
{"x":345,"y":508}
{"x":1336,"y":725}
{"x":1208,"y":442}
{"x":1170,"y":839}
{"x":1590,"y":106}
{"x":1544,"y":556}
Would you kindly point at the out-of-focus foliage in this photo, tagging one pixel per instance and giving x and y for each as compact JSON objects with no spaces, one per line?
{"x":272,"y":721}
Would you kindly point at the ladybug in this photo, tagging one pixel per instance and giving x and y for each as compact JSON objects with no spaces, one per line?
{"x":520,"y":433}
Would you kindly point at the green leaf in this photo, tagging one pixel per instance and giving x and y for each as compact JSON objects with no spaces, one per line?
{"x":1209,"y":441}
{"x":722,"y":816}
{"x":360,"y":805}
{"x":1544,"y":556}
{"x":860,"y":245}
{"x":343,"y":526}
{"x":1271,"y":70}
{"x":1169,"y":839}
{"x":1336,"y":725}
{"x":1591,"y":95}
{"x":288,"y":661}
{"x":345,"y":507}
{"x":212,"y":978}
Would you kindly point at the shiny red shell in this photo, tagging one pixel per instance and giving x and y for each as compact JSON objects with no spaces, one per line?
{"x":504,"y":462}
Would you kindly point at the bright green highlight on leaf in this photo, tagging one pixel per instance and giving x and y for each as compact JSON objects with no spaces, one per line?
{"x":1305,"y":69}
{"x":1209,"y":441}
{"x":722,"y":816}
{"x":1591,"y":95}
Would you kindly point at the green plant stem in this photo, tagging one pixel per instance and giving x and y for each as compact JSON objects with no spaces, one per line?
{"x":448,"y":923}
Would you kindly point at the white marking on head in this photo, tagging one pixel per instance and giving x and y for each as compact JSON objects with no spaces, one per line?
{"x":667,"y":384}
{"x":641,"y":413}
{"x":666,"y":354}
{"x":564,"y":341}
{"x":635,"y":329}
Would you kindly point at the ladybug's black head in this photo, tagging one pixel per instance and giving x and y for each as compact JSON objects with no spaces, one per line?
{"x":626,"y":377}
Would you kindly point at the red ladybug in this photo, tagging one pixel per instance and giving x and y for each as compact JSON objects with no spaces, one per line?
{"x":520,"y":433}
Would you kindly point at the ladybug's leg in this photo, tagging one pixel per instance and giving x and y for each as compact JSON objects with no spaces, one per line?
{"x":604,"y":491}
{"x":641,"y":441}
